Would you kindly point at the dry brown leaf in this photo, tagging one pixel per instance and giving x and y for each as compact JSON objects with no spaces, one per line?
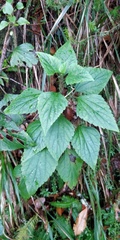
{"x":81,"y":222}
{"x":60,"y":211}
{"x":39,"y":203}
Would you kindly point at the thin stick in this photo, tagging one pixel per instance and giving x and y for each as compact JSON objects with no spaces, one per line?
{"x":4,"y":49}
{"x":3,"y":90}
{"x":116,"y":85}
{"x":17,"y":83}
{"x":105,"y":148}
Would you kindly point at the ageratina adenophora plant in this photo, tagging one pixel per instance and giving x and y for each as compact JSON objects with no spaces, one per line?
{"x":52,"y":141}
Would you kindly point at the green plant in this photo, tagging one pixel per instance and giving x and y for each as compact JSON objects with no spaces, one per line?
{"x":111,"y":223}
{"x":51,"y":141}
{"x":8,"y":11}
{"x":92,"y":188}
{"x":58,"y":4}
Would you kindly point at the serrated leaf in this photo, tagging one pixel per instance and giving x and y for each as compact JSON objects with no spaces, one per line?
{"x":3,"y":24}
{"x":67,"y":55}
{"x":23,"y":54}
{"x":50,"y":106}
{"x":51,"y":64}
{"x":19,"y":5}
{"x":21,"y":21}
{"x":66,"y":202}
{"x":7,"y":8}
{"x":26,"y":102}
{"x":36,"y":170}
{"x":93,"y":109}
{"x":29,"y":153}
{"x":59,"y":136}
{"x":34,"y":130}
{"x":69,"y":167}
{"x":101,"y":77}
{"x":78,"y":74}
{"x":86,"y":143}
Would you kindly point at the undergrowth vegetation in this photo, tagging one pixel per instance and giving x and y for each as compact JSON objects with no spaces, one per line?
{"x":59,"y":120}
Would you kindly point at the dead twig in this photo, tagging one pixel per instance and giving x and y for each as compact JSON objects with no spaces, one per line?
{"x":4,"y":49}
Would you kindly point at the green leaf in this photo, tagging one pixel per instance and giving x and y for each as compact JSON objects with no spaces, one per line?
{"x":4,"y":76}
{"x":3,"y":24}
{"x":17,"y":171}
{"x":51,"y":64}
{"x":12,"y":19}
{"x":1,"y":82}
{"x":18,"y":119}
{"x":67,"y":55}
{"x":86,"y":143}
{"x":34,"y":130}
{"x":26,"y":102}
{"x":29,"y":153}
{"x":78,"y":74}
{"x":7,"y":122}
{"x":19,"y":5}
{"x":23,"y":190}
{"x":21,"y":21}
{"x":36,"y":170}
{"x":66,"y":202}
{"x":59,"y":136}
{"x":63,"y":226}
{"x":24,"y":137}
{"x":9,"y":145}
{"x":10,"y":1}
{"x":69,"y":167}
{"x":101,"y":77}
{"x":23,"y":54}
{"x":50,"y":106}
{"x":7,"y":98}
{"x":93,"y":109}
{"x":1,"y":228}
{"x":7,"y":8}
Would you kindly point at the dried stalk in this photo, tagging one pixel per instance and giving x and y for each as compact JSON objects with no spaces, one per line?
{"x":4,"y":49}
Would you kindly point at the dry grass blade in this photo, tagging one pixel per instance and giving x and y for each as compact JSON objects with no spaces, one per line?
{"x":116,"y":85}
{"x":62,"y":14}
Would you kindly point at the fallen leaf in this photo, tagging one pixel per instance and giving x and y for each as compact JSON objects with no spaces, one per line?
{"x":39,"y":202}
{"x":81,"y":222}
{"x":60,"y":211}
